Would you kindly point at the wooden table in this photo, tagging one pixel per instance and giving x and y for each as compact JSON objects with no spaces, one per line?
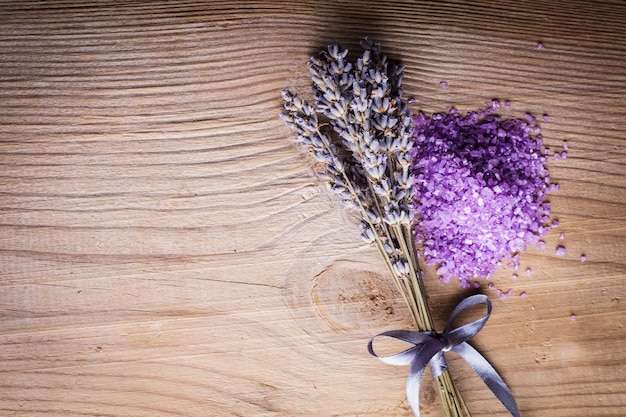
{"x":166,"y":250}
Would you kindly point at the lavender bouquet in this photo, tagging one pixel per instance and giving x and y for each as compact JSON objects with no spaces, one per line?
{"x":362,"y":135}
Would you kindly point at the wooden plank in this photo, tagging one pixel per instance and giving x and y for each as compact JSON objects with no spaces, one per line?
{"x":166,"y":250}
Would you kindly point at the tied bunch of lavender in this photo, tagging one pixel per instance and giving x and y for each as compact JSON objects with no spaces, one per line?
{"x":361,"y":133}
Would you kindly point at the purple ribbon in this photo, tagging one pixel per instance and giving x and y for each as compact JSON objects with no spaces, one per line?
{"x":430,"y":346}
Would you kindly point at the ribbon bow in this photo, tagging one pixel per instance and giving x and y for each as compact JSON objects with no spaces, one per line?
{"x":430,"y":346}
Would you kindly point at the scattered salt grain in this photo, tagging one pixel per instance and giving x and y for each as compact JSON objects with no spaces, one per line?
{"x":565,"y":145}
{"x":541,"y":245}
{"x":503,"y":294}
{"x":513,"y":262}
{"x":539,"y":45}
{"x":555,"y":223}
{"x":583,"y":258}
{"x":560,"y":250}
{"x":443,"y":84}
{"x":522,"y":294}
{"x":573,"y":317}
{"x":529,"y":272}
{"x":507,"y":104}
{"x":514,"y":276}
{"x":562,"y":236}
{"x":532,"y":308}
{"x":545,"y":117}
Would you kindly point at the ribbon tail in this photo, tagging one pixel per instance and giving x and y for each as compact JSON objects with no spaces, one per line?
{"x":413,"y":386}
{"x":489,"y":375}
{"x":426,"y":353}
{"x":425,"y":348}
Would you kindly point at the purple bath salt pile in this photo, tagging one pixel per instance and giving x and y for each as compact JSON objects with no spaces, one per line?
{"x":481,"y":182}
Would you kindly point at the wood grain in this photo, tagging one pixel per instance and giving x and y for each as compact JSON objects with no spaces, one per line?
{"x":166,"y":250}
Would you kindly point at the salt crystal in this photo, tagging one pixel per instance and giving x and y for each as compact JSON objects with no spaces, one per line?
{"x":565,"y":145}
{"x":539,"y":45}
{"x":504,"y":294}
{"x":529,"y":272}
{"x":572,"y":317}
{"x":545,"y":118}
{"x":560,"y":250}
{"x":507,"y":104}
{"x":514,"y":276}
{"x":541,"y":245}
{"x":443,"y":84}
{"x":522,"y":294}
{"x":555,"y":223}
{"x":583,"y":258}
{"x":562,"y":236}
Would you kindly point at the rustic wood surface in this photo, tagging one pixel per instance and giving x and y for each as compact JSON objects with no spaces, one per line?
{"x":166,"y":250}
